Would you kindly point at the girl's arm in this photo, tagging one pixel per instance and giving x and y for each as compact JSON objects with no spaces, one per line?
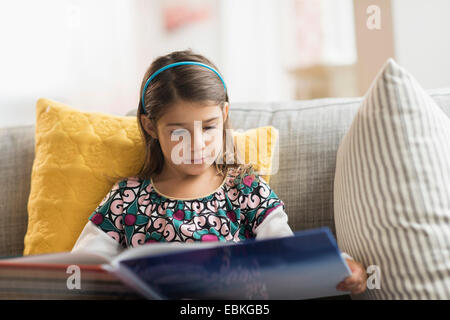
{"x":93,"y":239}
{"x":276,"y":225}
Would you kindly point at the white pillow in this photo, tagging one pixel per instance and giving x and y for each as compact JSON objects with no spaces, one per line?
{"x":392,"y":189}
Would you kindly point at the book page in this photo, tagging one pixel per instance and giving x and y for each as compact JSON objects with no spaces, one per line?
{"x":163,"y":248}
{"x":59,"y":258}
{"x":88,"y":258}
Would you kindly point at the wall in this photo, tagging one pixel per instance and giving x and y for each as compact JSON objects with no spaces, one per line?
{"x":415,"y":33}
{"x":374,"y":38}
{"x":422,"y":40}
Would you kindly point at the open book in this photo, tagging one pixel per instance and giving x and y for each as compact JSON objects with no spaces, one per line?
{"x":305,"y":265}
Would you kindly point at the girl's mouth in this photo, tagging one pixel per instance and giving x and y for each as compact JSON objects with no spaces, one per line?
{"x":198,"y":161}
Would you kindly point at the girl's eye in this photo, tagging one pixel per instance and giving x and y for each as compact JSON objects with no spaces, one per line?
{"x":178,"y":132}
{"x":209,"y":128}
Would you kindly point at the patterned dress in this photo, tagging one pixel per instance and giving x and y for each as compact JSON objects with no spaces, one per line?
{"x":134,"y":212}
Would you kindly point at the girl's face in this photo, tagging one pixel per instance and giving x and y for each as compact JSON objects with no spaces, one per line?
{"x":190,"y":135}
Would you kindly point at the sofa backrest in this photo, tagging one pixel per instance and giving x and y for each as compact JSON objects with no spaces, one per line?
{"x":309,"y":135}
{"x":16,"y":160}
{"x":310,"y":132}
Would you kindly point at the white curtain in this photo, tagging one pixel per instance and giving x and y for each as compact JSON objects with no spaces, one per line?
{"x":78,"y":52}
{"x":92,"y":55}
{"x":262,"y":41}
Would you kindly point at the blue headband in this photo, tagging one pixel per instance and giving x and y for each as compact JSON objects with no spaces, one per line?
{"x":181,"y":63}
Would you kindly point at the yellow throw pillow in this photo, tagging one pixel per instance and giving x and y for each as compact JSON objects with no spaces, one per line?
{"x":257,"y":147}
{"x":78,"y":157}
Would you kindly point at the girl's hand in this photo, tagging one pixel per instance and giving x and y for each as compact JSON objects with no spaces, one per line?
{"x":356,"y":283}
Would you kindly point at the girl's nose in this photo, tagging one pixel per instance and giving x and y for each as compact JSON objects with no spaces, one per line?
{"x":198,"y":140}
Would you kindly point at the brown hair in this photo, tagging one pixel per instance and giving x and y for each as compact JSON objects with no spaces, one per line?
{"x":190,"y":83}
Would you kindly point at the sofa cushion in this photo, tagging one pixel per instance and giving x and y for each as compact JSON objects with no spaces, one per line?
{"x":16,"y":159}
{"x":391,"y":190}
{"x":79,"y":156}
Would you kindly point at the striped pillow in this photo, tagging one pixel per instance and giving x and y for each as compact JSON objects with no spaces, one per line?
{"x":392,"y":190}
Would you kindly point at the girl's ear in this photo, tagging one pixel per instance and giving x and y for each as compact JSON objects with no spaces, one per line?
{"x":226,"y":108}
{"x":148,"y":126}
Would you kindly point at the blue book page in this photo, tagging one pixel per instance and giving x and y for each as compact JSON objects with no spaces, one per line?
{"x":303,"y":266}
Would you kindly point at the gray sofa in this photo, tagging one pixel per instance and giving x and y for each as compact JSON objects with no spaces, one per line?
{"x":309,"y":135}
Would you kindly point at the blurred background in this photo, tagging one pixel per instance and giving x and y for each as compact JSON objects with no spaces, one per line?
{"x":92,"y":55}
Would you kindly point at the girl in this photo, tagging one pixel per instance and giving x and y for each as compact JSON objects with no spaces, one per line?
{"x":188,"y":189}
